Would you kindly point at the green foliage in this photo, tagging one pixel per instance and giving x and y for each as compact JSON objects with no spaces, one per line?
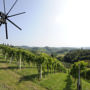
{"x":43,"y":61}
{"x":75,"y":68}
{"x":86,"y":74}
{"x":42,"y":58}
{"x":76,"y":55}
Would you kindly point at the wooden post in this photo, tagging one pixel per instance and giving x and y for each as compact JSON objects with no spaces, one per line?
{"x":79,"y":81}
{"x":20,"y":62}
{"x":40,"y":71}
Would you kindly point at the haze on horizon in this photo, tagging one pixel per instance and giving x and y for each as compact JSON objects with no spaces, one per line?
{"x":54,"y":23}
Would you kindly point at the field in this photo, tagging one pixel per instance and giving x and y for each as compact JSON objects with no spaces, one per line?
{"x":12,"y":78}
{"x":27,"y":77}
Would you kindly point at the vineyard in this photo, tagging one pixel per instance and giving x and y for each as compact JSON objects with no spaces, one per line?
{"x":20,"y":69}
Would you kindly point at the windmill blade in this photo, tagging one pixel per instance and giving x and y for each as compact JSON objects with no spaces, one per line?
{"x":4,"y":6}
{"x":6,"y":31}
{"x":14,"y":24}
{"x":12,"y":7}
{"x":0,"y":24}
{"x":16,"y":14}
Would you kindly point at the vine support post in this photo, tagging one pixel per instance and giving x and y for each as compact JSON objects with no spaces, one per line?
{"x":20,"y":62}
{"x":79,"y":86}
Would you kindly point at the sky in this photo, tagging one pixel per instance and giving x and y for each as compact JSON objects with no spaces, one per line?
{"x":54,"y":23}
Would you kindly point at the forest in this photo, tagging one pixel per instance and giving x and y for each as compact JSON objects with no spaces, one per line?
{"x":74,"y":56}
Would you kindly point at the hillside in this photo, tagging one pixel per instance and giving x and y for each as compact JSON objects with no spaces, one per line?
{"x":17,"y":75}
{"x":49,"y":50}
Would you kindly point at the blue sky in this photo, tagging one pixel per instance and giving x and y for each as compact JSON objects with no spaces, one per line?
{"x":55,"y":23}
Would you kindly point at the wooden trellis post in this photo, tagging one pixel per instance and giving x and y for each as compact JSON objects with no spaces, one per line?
{"x":79,"y":86}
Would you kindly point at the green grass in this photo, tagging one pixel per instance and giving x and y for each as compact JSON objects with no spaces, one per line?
{"x":58,"y":81}
{"x":85,"y":85}
{"x":53,"y":82}
{"x":10,"y":80}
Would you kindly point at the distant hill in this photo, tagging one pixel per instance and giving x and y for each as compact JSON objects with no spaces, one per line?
{"x":25,"y":47}
{"x":49,"y":50}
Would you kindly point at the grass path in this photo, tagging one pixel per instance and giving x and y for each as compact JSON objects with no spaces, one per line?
{"x":59,"y":81}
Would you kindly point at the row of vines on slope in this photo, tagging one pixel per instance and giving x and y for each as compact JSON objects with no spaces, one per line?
{"x":42,"y":61}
